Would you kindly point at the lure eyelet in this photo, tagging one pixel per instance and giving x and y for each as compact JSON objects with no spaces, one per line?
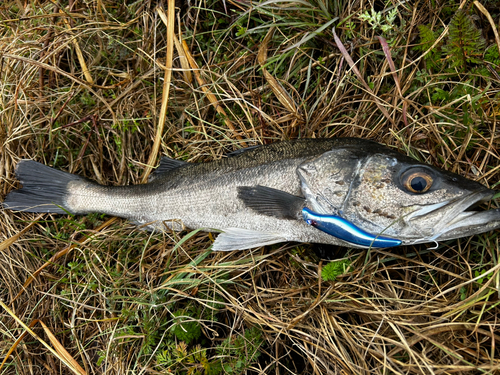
{"x":417,"y":182}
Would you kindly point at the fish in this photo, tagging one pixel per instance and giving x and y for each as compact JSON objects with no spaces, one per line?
{"x":255,"y":197}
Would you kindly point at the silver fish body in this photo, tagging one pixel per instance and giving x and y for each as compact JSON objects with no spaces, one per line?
{"x":255,"y":198}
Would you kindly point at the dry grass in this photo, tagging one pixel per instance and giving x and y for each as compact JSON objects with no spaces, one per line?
{"x":81,"y":90}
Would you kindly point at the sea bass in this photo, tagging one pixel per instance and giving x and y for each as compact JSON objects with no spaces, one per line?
{"x":255,"y":196}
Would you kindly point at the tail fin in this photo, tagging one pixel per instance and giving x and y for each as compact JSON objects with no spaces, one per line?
{"x":44,"y":189}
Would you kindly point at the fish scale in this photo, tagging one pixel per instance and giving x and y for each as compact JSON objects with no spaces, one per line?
{"x":256,"y":197}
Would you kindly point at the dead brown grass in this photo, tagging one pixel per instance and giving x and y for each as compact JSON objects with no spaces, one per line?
{"x":81,"y":90}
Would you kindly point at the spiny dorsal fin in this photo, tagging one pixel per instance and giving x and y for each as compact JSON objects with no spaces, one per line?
{"x":271,"y":202}
{"x":242,"y":239}
{"x":241,"y":151}
{"x":166,"y":165}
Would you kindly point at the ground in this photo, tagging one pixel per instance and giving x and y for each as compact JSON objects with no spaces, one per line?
{"x":86,"y":88}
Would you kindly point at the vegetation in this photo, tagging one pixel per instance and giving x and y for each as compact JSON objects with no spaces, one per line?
{"x":84,"y":88}
{"x":334,"y":269}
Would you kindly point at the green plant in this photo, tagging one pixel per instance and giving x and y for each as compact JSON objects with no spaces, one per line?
{"x":233,"y":356}
{"x":465,"y":44}
{"x":378,"y":21}
{"x":492,"y":55}
{"x":350,"y":27}
{"x":333,"y":269}
{"x":457,"y":61}
{"x":185,"y":327}
{"x":462,"y":50}
{"x":427,"y":39}
{"x":194,"y":361}
{"x":477,"y":285}
{"x":239,"y":351}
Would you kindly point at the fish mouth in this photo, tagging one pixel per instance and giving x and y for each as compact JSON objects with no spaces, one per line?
{"x":461,"y":217}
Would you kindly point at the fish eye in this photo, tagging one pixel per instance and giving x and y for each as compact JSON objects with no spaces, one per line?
{"x":417,"y":182}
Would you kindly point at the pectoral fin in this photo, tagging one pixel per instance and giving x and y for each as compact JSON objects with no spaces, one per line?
{"x":271,"y":202}
{"x":242,"y":239}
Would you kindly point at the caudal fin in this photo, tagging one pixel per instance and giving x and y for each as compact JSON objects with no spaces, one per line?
{"x":44,"y":189}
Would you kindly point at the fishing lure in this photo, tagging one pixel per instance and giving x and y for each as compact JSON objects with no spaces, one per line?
{"x":343,"y":229}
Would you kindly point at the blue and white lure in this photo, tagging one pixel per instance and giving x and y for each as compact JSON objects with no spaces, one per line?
{"x":343,"y":229}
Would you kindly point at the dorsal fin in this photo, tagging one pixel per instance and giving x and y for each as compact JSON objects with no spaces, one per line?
{"x":241,"y":151}
{"x":271,"y":202}
{"x":166,"y":165}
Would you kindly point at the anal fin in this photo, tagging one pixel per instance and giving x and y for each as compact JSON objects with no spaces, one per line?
{"x":243,"y":239}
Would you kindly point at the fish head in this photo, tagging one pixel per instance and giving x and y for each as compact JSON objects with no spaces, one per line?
{"x":384,"y":192}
